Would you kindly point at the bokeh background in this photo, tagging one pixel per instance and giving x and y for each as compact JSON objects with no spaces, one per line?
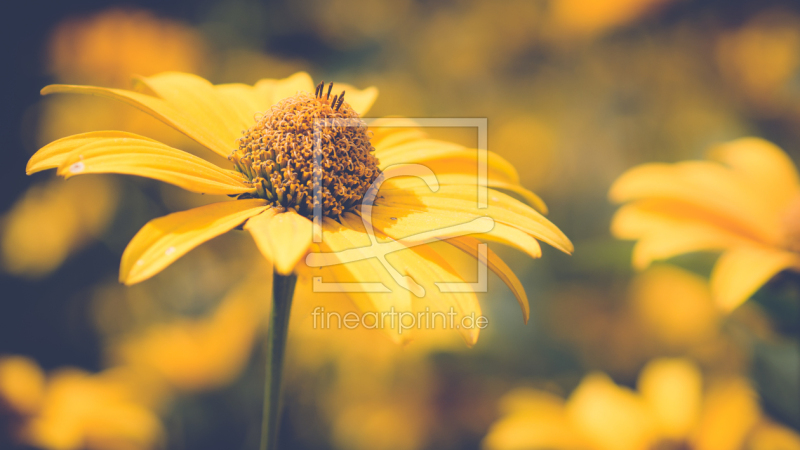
{"x":575,"y":92}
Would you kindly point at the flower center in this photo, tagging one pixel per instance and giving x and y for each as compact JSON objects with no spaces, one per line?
{"x":306,"y":138}
{"x":792,"y":226}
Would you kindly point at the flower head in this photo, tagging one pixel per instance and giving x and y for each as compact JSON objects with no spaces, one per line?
{"x":277,"y":148}
{"x":744,"y":202}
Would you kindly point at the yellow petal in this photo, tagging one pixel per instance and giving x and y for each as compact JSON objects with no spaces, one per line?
{"x":451,"y":176}
{"x":709,"y":186}
{"x":609,"y":416}
{"x":164,"y":240}
{"x":249,"y":100}
{"x":360,"y":100}
{"x":53,"y":154}
{"x":673,"y":388}
{"x":418,"y":207}
{"x":772,"y":436}
{"x":427,"y":267}
{"x":203,"y":133}
{"x":446,"y":157}
{"x":532,"y":420}
{"x":470,"y":245}
{"x":197,"y":99}
{"x":423,"y":264}
{"x":675,"y":306}
{"x":740,"y":271}
{"x":388,"y":220}
{"x":385,"y":137}
{"x":338,"y":237}
{"x":729,"y":413}
{"x":152,"y":159}
{"x":666,"y":229}
{"x":765,"y":167}
{"x":283,"y":238}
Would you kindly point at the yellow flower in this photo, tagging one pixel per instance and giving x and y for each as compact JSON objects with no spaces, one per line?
{"x":762,"y":58}
{"x":92,"y":411}
{"x":265,"y":131}
{"x":53,"y":220}
{"x":71,"y":409}
{"x":675,"y":307}
{"x":109,"y":46}
{"x":745,"y":202}
{"x":670,"y":410}
{"x":199,"y":354}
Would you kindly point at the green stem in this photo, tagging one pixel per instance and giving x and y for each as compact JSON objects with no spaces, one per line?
{"x":282,"y":292}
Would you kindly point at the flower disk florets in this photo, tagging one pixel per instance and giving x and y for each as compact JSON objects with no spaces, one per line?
{"x":278,"y":155}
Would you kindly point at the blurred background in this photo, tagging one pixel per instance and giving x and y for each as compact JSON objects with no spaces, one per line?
{"x":575,"y":92}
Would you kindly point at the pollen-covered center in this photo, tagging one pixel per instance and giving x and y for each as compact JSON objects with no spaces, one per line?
{"x":303,"y":138}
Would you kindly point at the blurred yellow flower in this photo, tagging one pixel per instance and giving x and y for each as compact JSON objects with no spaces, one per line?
{"x":199,"y":354}
{"x":95,"y":412}
{"x":274,"y":187}
{"x":675,"y":306}
{"x":21,"y":384}
{"x":74,"y":410}
{"x":588,"y":18}
{"x":745,"y":201}
{"x":670,"y":410}
{"x":52,"y":220}
{"x":762,"y":58}
{"x":106,"y":48}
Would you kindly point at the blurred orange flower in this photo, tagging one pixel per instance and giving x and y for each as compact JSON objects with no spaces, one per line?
{"x":670,"y":410}
{"x":745,"y":201}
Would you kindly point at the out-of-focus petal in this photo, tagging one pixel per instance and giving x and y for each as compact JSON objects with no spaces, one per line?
{"x":675,"y":306}
{"x":21,"y":384}
{"x":709,"y":186}
{"x":667,"y":229}
{"x":609,"y":416}
{"x":740,"y":271}
{"x":729,"y":413}
{"x":673,"y":388}
{"x":164,"y":240}
{"x":772,"y":436}
{"x":532,"y":420}
{"x":765,"y":168}
{"x":54,"y":219}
